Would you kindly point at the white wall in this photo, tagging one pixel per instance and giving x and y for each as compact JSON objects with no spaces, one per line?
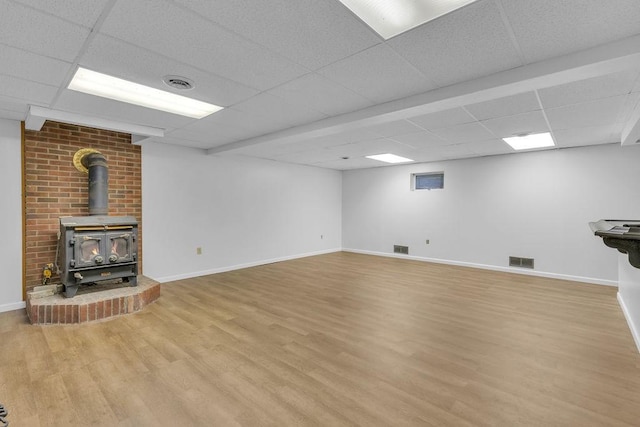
{"x":240,"y":211}
{"x":534,"y":205}
{"x":629,"y":295}
{"x":10,"y":216}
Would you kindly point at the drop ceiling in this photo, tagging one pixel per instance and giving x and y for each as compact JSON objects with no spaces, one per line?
{"x":306,"y":81}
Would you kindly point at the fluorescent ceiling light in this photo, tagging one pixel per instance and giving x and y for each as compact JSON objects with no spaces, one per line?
{"x":389,"y":158}
{"x":106,"y":86}
{"x":527,"y":142}
{"x":392,"y":17}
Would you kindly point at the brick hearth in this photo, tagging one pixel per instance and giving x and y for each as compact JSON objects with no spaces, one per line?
{"x":92,"y":306}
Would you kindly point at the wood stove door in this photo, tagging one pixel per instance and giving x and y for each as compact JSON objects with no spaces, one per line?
{"x":120,"y":247}
{"x":89,"y":249}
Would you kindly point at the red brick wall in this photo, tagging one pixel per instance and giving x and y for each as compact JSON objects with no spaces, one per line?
{"x":55,"y":188}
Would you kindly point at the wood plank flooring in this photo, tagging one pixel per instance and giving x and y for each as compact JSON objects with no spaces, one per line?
{"x":334,"y":340}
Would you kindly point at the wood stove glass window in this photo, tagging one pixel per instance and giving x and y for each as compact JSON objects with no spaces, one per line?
{"x":120,"y":247}
{"x":89,"y":249}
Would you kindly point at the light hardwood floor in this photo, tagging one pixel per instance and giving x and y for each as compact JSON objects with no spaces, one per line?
{"x":332,"y":340}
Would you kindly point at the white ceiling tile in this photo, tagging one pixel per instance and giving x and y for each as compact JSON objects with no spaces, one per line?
{"x":26,"y":91}
{"x":307,"y":157}
{"x":219,"y":135}
{"x":180,"y":141}
{"x":346,"y":137}
{"x":37,"y":32}
{"x":170,"y":30}
{"x":230,"y":118}
{"x":468,"y":132}
{"x":174,"y":141}
{"x":309,"y":32}
{"x":532,"y":122}
{"x":12,"y":110}
{"x":470,"y":149}
{"x":11,"y":115}
{"x":270,"y":150}
{"x":81,"y":12}
{"x":456,"y":116}
{"x":589,"y":89}
{"x":628,"y":107}
{"x":420,"y":140}
{"x":507,"y":106}
{"x":397,"y":127}
{"x":591,"y":135}
{"x":300,"y":146}
{"x":455,"y":151}
{"x":349,"y":164}
{"x":112,"y":56}
{"x":312,"y":144}
{"x":431,"y":154}
{"x":30,"y":66}
{"x":378,"y":73}
{"x":490,"y":148}
{"x":368,"y":148}
{"x":10,"y":104}
{"x":617,"y":129}
{"x":549,"y":28}
{"x":274,"y":113}
{"x":594,"y":113}
{"x":320,"y":94}
{"x":77,"y":102}
{"x":636,"y":87}
{"x":465,"y":44}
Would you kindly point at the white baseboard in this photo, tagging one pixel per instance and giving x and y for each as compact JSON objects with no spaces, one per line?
{"x":491,"y":267}
{"x":240,"y":266}
{"x":12,"y":306}
{"x":635,"y":331}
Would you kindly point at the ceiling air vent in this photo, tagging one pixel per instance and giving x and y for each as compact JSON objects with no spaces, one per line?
{"x":177,"y":82}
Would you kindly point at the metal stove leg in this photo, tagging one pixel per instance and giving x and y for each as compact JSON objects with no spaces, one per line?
{"x":70,"y":290}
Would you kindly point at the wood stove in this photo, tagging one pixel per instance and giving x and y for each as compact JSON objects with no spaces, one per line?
{"x":96,"y":248}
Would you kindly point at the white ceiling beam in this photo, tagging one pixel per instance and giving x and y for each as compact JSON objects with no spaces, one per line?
{"x":631,"y":131}
{"x":36,"y":117}
{"x":34,"y":122}
{"x":605,"y":59}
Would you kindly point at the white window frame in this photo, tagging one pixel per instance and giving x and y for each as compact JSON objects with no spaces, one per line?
{"x":414,"y":178}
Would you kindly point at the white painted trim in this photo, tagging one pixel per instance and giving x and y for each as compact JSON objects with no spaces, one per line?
{"x":491,"y":267}
{"x":241,"y":266}
{"x":635,"y":332}
{"x":12,"y":306}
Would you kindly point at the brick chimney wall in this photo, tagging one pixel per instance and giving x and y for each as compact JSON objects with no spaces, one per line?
{"x":55,"y":188}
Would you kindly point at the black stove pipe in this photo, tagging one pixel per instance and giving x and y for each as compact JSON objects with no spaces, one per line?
{"x":98,"y":183}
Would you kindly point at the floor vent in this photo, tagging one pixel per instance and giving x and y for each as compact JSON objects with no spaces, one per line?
{"x":401,"y":249}
{"x":515,"y":261}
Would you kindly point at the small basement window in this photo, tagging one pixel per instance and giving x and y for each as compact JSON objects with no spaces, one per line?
{"x":427,"y":181}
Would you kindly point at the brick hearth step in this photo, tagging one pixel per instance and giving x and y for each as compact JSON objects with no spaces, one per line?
{"x":44,"y":306}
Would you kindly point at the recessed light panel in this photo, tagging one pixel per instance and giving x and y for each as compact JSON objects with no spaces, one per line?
{"x":392,"y":17}
{"x":98,"y":84}
{"x":528,"y":142}
{"x":389,"y":158}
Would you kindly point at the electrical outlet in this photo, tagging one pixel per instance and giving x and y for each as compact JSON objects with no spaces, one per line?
{"x":198,"y":250}
{"x":427,"y":241}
